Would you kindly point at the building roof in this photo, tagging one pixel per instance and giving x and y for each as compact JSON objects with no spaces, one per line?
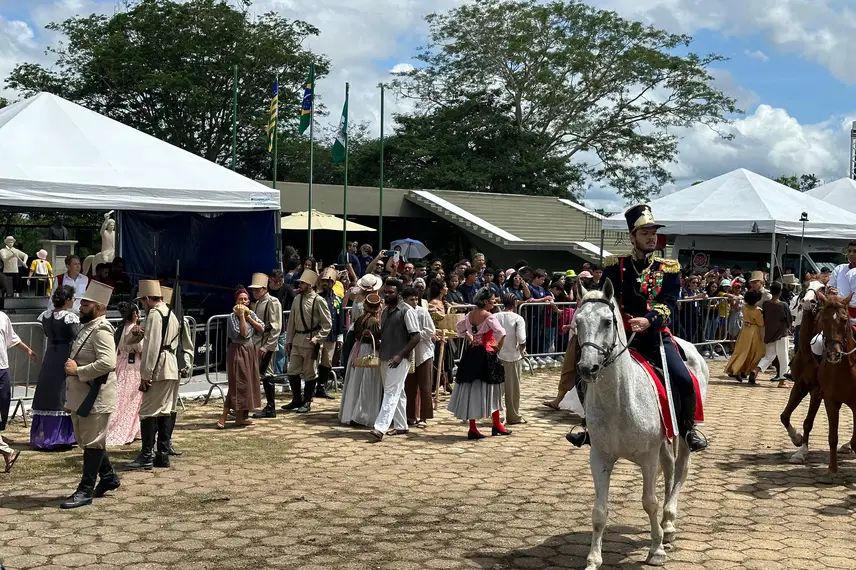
{"x":515,"y":221}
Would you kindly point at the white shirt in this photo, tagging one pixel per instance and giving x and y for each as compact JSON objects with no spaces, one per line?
{"x":515,"y":335}
{"x":8,"y":339}
{"x":833,"y":277}
{"x":79,"y":283}
{"x":425,"y":349}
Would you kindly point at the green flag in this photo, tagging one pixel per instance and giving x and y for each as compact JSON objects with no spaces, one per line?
{"x":340,"y":145}
{"x":308,"y":100}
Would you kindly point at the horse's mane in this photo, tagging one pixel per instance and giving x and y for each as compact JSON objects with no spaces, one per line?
{"x":593,"y":294}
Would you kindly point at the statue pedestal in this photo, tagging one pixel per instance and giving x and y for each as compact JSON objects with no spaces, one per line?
{"x":58,"y":250}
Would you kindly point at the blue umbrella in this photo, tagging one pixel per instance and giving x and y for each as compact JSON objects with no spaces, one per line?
{"x":411,"y":248}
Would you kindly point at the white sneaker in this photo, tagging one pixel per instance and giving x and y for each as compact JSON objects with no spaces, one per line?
{"x":560,"y":360}
{"x":541,"y":362}
{"x":551,"y":362}
{"x":526,"y":367}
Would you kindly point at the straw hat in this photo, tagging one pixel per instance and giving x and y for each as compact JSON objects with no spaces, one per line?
{"x":149,"y":288}
{"x":166,"y":293}
{"x":330,"y":274}
{"x":260,"y":281}
{"x":43,"y":255}
{"x":370,"y":282}
{"x":98,"y":292}
{"x":789,"y":279}
{"x":309,"y":277}
{"x":372,"y":302}
{"x":757,"y":276}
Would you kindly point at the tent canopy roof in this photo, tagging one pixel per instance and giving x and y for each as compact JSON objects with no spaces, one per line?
{"x":742,"y":202}
{"x":841,"y":193}
{"x":59,"y":155}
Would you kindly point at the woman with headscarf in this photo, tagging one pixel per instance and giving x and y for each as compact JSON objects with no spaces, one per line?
{"x":242,"y":361}
{"x":124,"y":426}
{"x":362,"y":392}
{"x":479,"y":381}
{"x":51,"y":427}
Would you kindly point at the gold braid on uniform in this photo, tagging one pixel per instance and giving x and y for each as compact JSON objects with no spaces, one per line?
{"x":668,"y":265}
{"x":611,"y":260}
{"x":662,"y":310}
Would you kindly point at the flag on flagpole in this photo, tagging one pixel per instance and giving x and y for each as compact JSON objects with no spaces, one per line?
{"x":274,"y":114}
{"x":308,"y":100}
{"x":341,"y":141}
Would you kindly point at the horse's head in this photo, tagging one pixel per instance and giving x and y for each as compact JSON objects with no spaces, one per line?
{"x":598,"y":330}
{"x":810,"y":301}
{"x":834,"y":323}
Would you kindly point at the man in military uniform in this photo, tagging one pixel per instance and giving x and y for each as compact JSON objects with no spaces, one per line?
{"x":308,"y":327}
{"x":159,"y":377}
{"x":337,"y":334}
{"x":185,"y":364}
{"x":647,"y":288}
{"x":269,"y":310}
{"x":91,"y":394}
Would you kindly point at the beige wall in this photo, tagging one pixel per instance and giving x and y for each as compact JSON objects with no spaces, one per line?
{"x":362,"y":200}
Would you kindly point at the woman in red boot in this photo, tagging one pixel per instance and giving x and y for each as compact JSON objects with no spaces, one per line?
{"x":479,"y":382}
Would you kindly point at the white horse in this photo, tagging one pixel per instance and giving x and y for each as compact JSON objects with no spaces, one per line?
{"x":623,"y":418}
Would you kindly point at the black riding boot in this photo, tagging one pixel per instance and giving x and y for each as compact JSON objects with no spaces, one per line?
{"x":321,"y":387}
{"x":580,"y":438}
{"x":309,"y":390}
{"x":686,"y":424}
{"x":161,"y":458}
{"x":296,"y":398}
{"x":108,"y":479}
{"x":148,"y":429}
{"x":83,"y":496}
{"x":172,"y":418}
{"x":269,"y":411}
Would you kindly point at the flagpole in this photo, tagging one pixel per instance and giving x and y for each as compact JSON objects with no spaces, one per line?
{"x":311,"y":166}
{"x":345,"y":193}
{"x":235,"y":118}
{"x":380,"y":199}
{"x":275,"y":138}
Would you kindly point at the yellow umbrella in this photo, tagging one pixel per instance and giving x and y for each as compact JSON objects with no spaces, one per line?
{"x":320,"y":221}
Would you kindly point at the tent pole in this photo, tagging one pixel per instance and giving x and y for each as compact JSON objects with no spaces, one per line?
{"x":773,"y":257}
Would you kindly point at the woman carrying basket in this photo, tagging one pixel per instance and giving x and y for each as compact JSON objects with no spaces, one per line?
{"x":362,"y":391}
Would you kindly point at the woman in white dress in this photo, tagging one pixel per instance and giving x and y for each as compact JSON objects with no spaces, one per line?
{"x":362,"y":393}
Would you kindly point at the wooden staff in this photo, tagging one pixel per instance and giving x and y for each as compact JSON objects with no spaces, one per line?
{"x":440,"y":362}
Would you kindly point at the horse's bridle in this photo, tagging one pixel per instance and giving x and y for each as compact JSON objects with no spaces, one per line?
{"x":605,"y":352}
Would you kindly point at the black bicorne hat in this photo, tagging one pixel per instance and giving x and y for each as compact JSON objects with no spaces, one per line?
{"x":640,"y":216}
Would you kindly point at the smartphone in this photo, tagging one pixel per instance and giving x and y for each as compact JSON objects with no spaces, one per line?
{"x":389,"y":253}
{"x":396,"y":255}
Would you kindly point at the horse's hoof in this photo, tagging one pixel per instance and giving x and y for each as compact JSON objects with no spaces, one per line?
{"x":829,"y":477}
{"x":669,"y":537}
{"x":797,"y":439}
{"x":846,"y":449}
{"x":797,"y":459}
{"x":657,"y":559}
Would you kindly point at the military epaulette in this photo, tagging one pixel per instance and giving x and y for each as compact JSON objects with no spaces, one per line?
{"x":610,"y":261}
{"x":668,"y":265}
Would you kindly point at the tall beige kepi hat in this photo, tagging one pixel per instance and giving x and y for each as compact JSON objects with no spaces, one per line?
{"x":98,"y":292}
{"x":309,"y":277}
{"x":149,"y":288}
{"x":260,"y":281}
{"x":757,"y":276}
{"x":330,"y":274}
{"x":166,"y":293}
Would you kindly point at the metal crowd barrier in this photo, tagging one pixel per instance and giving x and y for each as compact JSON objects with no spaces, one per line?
{"x":711,"y":324}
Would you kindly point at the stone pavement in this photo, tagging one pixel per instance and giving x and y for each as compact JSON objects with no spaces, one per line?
{"x":303,"y":492}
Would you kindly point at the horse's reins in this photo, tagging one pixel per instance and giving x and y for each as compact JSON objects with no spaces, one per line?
{"x":606,"y":352}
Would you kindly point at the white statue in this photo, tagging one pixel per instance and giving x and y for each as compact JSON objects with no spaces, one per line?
{"x":13,"y":259}
{"x":108,"y":246}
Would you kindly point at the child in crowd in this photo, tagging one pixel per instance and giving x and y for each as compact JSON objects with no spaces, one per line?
{"x":511,"y":356}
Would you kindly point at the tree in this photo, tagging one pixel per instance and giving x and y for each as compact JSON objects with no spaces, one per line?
{"x":803,"y":183}
{"x":3,"y":102}
{"x":165,"y":67}
{"x":597,"y":90}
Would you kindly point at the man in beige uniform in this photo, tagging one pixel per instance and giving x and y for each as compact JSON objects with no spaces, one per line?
{"x":188,"y":348}
{"x":269,"y":310}
{"x":308,"y":326}
{"x":159,"y":377}
{"x":90,"y":394}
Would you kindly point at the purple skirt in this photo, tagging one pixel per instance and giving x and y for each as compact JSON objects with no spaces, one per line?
{"x":51,"y":431}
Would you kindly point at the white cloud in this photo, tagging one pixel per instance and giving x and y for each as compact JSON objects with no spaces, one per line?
{"x":401,"y":68}
{"x":17,"y":44}
{"x":759,"y":55}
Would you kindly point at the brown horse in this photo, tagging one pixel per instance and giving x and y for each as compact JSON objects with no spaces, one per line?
{"x":804,"y":372}
{"x":837,"y":372}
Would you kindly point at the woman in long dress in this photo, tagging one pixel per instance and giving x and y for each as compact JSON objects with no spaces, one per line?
{"x":242,"y":361}
{"x":362,"y":394}
{"x":51,"y":427}
{"x":750,"y":348}
{"x":124,"y":426}
{"x":479,"y":382}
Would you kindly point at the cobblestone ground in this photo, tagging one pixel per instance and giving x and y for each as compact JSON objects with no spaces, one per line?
{"x":304,"y":492}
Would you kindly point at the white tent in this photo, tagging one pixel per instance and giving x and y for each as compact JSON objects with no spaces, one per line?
{"x":841,"y":193}
{"x":742,"y":202}
{"x":56,"y":154}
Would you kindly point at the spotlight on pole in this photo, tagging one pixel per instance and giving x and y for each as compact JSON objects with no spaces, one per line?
{"x":803,"y":219}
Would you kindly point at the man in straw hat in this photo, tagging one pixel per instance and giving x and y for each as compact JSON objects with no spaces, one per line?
{"x":159,"y":377}
{"x":646,"y":288}
{"x":335,"y":339}
{"x":308,"y":326}
{"x":269,"y":310}
{"x":188,"y":352}
{"x":90,"y":394}
{"x":756,"y":283}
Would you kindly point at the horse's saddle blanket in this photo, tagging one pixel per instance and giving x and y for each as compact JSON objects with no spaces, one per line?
{"x":658,"y":382}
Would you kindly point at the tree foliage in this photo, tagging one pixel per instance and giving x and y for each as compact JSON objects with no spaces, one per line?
{"x":803,"y":182}
{"x":165,"y":67}
{"x":597,"y":90}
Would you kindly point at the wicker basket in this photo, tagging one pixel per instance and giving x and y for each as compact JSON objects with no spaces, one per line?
{"x":370,"y":360}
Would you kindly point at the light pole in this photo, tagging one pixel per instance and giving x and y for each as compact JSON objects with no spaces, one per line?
{"x":803,"y":219}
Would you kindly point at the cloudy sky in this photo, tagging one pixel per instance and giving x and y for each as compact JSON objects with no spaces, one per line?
{"x":790,"y":68}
